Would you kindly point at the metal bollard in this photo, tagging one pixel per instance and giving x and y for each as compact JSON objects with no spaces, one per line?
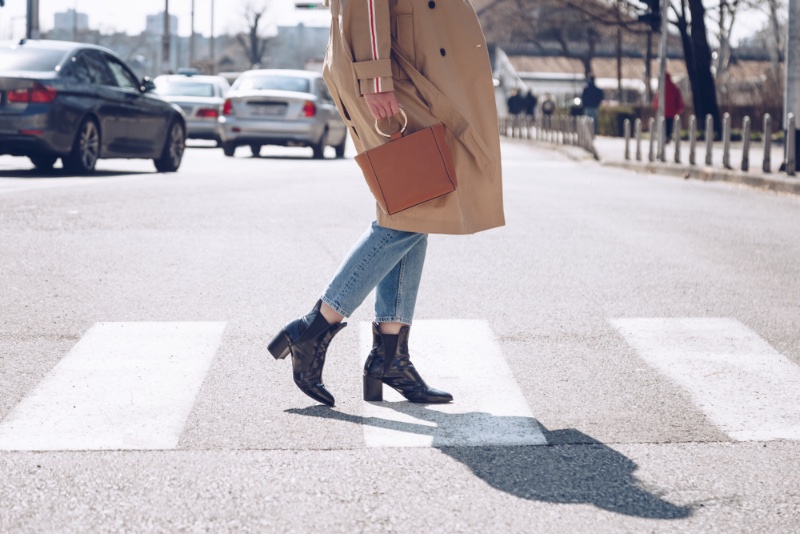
{"x":662,"y":141}
{"x":651,"y":156}
{"x":709,"y":140}
{"x":637,"y":127}
{"x":677,"y":137}
{"x":692,"y":140}
{"x":726,"y":140}
{"x":746,"y":143}
{"x":626,"y":127}
{"x":791,"y":156}
{"x":766,"y":166}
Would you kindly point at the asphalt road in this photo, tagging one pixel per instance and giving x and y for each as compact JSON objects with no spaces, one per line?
{"x":620,"y":311}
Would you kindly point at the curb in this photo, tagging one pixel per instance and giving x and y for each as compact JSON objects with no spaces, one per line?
{"x":710,"y":174}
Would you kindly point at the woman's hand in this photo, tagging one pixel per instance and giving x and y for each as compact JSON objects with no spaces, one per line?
{"x":382,"y":105}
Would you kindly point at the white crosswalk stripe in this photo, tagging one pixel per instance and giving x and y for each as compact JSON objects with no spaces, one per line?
{"x":129,"y":386}
{"x":463,"y":357}
{"x":745,"y":387}
{"x":123,"y":386}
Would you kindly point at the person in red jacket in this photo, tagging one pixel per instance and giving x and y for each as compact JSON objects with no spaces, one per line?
{"x":673,"y":104}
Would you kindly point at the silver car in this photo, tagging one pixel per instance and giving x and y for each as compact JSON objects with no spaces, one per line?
{"x":281,"y":107}
{"x":200,"y":98}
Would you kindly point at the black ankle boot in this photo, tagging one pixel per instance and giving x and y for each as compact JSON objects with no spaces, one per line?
{"x":389,"y":363}
{"x":307,"y":339}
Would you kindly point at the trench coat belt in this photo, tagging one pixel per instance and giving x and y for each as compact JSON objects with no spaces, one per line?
{"x":448,"y":113}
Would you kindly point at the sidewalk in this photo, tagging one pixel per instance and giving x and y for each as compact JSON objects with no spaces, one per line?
{"x":611,"y":151}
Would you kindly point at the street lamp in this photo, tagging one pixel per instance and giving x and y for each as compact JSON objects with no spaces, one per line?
{"x":165,"y":40}
{"x":211,"y":42}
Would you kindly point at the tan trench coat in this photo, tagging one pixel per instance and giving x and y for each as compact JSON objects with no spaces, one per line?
{"x":444,"y":42}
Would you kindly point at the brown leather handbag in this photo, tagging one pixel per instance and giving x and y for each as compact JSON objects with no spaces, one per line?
{"x":410,"y":169}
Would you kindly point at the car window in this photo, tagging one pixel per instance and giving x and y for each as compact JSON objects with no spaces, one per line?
{"x":276,"y":82}
{"x":18,"y":58}
{"x":98,"y":70}
{"x":123,"y":78}
{"x":78,"y":70}
{"x":184,"y":88}
{"x":322,"y":90}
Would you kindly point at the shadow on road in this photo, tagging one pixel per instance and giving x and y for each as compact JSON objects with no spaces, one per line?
{"x":574,"y":468}
{"x":59,"y":173}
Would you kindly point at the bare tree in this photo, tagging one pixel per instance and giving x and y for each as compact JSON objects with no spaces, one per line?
{"x":253,"y":40}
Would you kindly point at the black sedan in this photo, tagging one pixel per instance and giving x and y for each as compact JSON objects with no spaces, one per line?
{"x":80,"y":102}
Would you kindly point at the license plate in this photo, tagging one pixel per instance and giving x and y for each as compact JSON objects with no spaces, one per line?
{"x":268,"y":110}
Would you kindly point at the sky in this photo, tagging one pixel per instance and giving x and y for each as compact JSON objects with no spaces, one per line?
{"x":130,"y":16}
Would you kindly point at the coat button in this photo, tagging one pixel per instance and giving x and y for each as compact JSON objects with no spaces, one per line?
{"x":431,"y":4}
{"x":443,"y":52}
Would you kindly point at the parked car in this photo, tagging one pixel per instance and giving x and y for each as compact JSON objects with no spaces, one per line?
{"x":200,"y":98}
{"x":281,"y":107}
{"x":80,"y":102}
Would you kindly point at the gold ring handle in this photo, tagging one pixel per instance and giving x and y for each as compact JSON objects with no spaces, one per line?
{"x":405,"y":124}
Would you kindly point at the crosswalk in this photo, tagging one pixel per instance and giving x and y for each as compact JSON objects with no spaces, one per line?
{"x":132,"y":386}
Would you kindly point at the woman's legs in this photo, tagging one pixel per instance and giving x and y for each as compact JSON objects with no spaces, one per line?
{"x":386,"y":259}
{"x":390,"y":260}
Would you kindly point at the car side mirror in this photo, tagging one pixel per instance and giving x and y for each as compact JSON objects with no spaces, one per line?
{"x":147,"y":85}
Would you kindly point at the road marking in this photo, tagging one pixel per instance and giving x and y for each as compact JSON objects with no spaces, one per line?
{"x":464,"y":358}
{"x":122,"y":386}
{"x":745,"y":387}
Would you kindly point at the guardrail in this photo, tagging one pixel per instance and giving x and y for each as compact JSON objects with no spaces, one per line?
{"x":555,"y":129}
{"x":658,"y":140}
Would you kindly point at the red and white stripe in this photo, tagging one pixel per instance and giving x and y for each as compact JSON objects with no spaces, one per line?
{"x":373,"y":34}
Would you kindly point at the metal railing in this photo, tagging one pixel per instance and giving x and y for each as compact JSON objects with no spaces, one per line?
{"x":790,"y":156}
{"x":554,"y":129}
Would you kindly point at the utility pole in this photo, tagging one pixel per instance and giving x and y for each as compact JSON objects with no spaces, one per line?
{"x":32,"y":29}
{"x":75,"y":22}
{"x":165,"y":63}
{"x":791,"y":98}
{"x":211,"y":42}
{"x":662,"y":74}
{"x":191,"y":40}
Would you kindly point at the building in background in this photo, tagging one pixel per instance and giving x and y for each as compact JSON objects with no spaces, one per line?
{"x":71,"y":21}
{"x":155,"y":24}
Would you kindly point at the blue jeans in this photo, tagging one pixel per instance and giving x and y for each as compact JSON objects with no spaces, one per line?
{"x":389,"y":260}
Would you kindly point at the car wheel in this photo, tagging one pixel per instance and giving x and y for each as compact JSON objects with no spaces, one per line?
{"x":43,"y":162}
{"x":255,"y":150}
{"x":319,"y":148}
{"x":341,"y":146}
{"x":229,"y":149}
{"x":85,"y":149}
{"x":174,"y":146}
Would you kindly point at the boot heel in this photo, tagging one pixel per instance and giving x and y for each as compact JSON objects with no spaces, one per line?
{"x":373,"y":389}
{"x":279,"y":347}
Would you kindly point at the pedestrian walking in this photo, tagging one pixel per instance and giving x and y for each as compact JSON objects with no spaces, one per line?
{"x":530,"y":104}
{"x":515,"y":103}
{"x":673,"y":104}
{"x":591,"y":98}
{"x":548,"y":105}
{"x":373,"y":69}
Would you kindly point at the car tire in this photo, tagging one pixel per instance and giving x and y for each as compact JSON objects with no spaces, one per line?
{"x":174,"y":147}
{"x":319,"y":148}
{"x":85,"y":149}
{"x":43,"y":162}
{"x":341,"y":146}
{"x":255,"y":150}
{"x":229,"y":149}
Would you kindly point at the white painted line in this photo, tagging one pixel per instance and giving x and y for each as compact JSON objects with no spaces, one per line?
{"x":463,"y":358}
{"x":122,"y":386}
{"x":744,"y":386}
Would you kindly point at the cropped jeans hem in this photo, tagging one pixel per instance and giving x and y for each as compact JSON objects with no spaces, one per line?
{"x":393,"y":320}
{"x":335,"y":307}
